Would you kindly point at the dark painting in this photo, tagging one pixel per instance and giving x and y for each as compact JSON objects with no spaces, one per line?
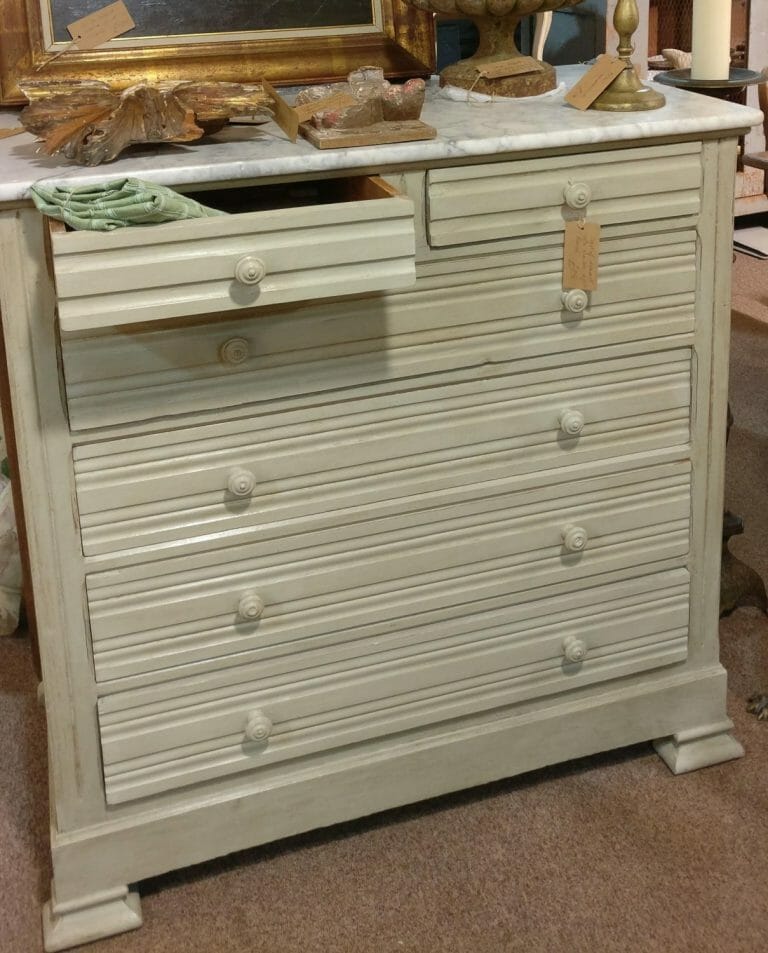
{"x":182,"y":17}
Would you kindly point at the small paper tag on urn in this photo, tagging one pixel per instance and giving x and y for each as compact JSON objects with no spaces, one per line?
{"x":101,"y":26}
{"x":581,"y":252}
{"x":595,"y":81}
{"x":512,"y":67}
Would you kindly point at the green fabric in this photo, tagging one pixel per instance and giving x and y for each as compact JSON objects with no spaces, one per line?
{"x":116,"y":204}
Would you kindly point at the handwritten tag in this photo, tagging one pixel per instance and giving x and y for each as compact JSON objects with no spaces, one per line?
{"x":7,"y":133}
{"x":581,"y":253}
{"x":595,"y":81}
{"x":105,"y":24}
{"x":514,"y":67}
{"x":336,"y":101}
{"x":284,"y":115}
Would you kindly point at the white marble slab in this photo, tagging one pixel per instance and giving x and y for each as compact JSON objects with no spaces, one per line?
{"x":464,"y":129}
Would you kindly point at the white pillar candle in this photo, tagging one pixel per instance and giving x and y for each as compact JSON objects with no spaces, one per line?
{"x":711,"y":39}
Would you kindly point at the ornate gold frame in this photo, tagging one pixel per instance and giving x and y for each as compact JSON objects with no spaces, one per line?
{"x":405,"y":47}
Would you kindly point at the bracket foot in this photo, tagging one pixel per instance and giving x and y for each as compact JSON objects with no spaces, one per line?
{"x":90,"y":918}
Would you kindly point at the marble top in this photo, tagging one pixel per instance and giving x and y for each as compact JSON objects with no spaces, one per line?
{"x":465,"y":129}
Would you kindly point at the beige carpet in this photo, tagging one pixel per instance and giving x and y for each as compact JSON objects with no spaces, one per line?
{"x":609,"y":853}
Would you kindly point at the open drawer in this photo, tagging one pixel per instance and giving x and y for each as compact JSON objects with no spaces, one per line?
{"x":285,"y":243}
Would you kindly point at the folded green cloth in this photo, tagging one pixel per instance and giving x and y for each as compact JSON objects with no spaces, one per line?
{"x":116,"y":204}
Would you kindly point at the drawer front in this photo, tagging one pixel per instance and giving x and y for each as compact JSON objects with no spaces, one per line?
{"x":482,"y":203}
{"x":455,"y":318}
{"x":249,"y":260}
{"x":482,"y":658}
{"x":155,"y":615}
{"x":354,"y":459}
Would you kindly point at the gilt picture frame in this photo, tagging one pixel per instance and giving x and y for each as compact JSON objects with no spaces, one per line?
{"x":288,"y":42}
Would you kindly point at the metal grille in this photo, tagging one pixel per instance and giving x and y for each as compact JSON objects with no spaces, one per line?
{"x":669,"y":27}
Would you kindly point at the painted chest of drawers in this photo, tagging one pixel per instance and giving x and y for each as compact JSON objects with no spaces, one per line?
{"x":342,"y":500}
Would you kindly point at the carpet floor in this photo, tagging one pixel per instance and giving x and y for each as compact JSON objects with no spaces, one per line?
{"x":602,"y":854}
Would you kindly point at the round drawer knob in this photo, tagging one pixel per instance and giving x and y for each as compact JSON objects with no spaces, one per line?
{"x":575,"y":300}
{"x":258,"y":727}
{"x":575,"y":650}
{"x":574,"y":538}
{"x":241,"y":483}
{"x":571,"y":422}
{"x":250,"y":270}
{"x":234,"y":351}
{"x":577,"y":195}
{"x":250,"y":607}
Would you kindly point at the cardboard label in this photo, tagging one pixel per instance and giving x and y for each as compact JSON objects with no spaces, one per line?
{"x":336,"y":101}
{"x":285,"y":115}
{"x":105,"y":24}
{"x":7,"y":133}
{"x":595,"y":81}
{"x":581,"y":253}
{"x":514,"y":67}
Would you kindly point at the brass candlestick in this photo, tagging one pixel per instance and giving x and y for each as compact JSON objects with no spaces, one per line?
{"x":626,"y":93}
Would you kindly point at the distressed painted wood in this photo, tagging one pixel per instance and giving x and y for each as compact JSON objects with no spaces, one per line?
{"x":253,"y":259}
{"x":313,"y":560}
{"x":486,"y":202}
{"x":175,"y":485}
{"x":446,"y":324}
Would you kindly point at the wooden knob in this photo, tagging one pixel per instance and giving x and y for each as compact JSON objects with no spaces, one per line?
{"x":258,"y":727}
{"x":234,"y":351}
{"x":577,"y":195}
{"x":574,"y":538}
{"x":241,"y":483}
{"x":571,"y":422}
{"x":250,"y":270}
{"x":250,"y":607}
{"x":575,"y":300}
{"x":575,"y":650}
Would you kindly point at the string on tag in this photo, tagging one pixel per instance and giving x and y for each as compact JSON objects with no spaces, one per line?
{"x":46,"y":62}
{"x":479,"y":102}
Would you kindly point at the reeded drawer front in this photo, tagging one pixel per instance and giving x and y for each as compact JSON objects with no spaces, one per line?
{"x":480,"y":658}
{"x":524,"y":534}
{"x":456,"y":318}
{"x":362,"y":241}
{"x":483,"y":203}
{"x":350,"y":459}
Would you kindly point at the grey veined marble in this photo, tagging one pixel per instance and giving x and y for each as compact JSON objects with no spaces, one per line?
{"x":465,"y":128}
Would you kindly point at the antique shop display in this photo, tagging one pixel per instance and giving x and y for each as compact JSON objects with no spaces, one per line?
{"x":627,"y":93}
{"x":366,"y":110}
{"x":496,"y":21}
{"x":238,"y":41}
{"x":90,"y":123}
{"x":355,"y":503}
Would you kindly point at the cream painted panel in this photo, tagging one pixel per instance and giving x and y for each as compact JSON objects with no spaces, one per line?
{"x":395,"y":448}
{"x":204,"y":656}
{"x":632,"y":518}
{"x":451,"y":321}
{"x":236,"y":262}
{"x":179,"y":732}
{"x":497,"y":201}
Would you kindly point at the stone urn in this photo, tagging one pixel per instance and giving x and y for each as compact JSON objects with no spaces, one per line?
{"x":496,"y":21}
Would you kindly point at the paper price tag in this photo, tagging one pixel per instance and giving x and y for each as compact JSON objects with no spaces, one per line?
{"x":581,"y":253}
{"x":595,"y":81}
{"x":101,"y":26}
{"x":514,"y":67}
